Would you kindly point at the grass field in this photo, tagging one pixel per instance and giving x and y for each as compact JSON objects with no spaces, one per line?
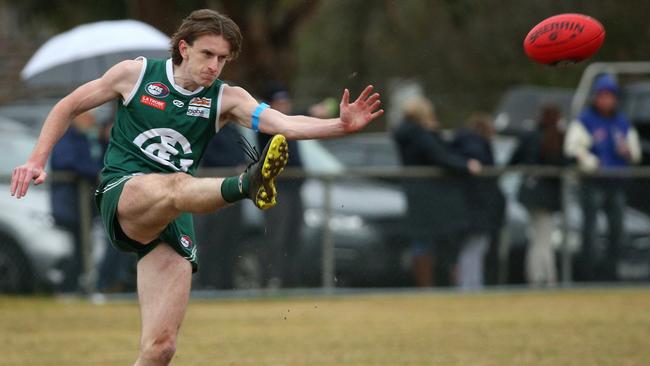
{"x":578,"y":327}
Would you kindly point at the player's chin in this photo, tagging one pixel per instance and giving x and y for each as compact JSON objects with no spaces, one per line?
{"x":207,"y":81}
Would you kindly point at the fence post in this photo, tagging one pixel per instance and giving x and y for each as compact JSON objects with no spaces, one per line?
{"x":503,"y":258}
{"x":328,"y":261}
{"x":85,"y":216}
{"x":568,"y":176}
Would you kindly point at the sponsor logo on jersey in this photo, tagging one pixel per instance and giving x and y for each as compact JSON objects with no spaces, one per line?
{"x":185,"y":241}
{"x":157,"y":89}
{"x":201,"y":102}
{"x":194,"y":111}
{"x":165,"y":146}
{"x":178,"y":103}
{"x":153,"y":102}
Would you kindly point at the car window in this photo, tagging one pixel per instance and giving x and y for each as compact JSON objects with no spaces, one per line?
{"x":317,"y":159}
{"x":31,"y":115}
{"x":519,"y":107}
{"x":16,"y":148}
{"x":364,"y":151}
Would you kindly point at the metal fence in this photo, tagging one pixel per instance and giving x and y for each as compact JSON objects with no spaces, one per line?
{"x":570,"y":178}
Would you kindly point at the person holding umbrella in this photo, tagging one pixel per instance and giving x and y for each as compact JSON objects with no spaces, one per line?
{"x":168,"y":112}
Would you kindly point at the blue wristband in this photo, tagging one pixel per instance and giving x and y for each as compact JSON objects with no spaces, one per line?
{"x":256,"y":116}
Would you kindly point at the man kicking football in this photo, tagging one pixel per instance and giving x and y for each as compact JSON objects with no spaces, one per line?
{"x":167,"y":112}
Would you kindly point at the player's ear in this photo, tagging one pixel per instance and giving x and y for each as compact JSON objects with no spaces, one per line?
{"x":183,"y":48}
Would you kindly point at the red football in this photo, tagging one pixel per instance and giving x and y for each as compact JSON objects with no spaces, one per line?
{"x":564,"y":38}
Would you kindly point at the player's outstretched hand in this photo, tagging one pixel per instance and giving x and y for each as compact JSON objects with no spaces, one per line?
{"x":364,"y":109}
{"x":23,"y":175}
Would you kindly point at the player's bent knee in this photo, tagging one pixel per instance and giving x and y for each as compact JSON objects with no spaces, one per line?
{"x":161,"y":350}
{"x":178,"y":180}
{"x":176,"y":183}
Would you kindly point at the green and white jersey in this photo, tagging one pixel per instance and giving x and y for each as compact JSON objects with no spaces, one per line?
{"x":161,"y":127}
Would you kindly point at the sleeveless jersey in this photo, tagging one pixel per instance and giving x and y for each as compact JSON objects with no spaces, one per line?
{"x":161,"y":127}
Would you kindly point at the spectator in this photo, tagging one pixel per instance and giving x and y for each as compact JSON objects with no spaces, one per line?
{"x":326,"y":108}
{"x":221,"y":231}
{"x":436,"y":207}
{"x":116,"y":269}
{"x":541,"y":195}
{"x":484,"y":199}
{"x":602,"y":138}
{"x":283,"y":223}
{"x":78,"y":153}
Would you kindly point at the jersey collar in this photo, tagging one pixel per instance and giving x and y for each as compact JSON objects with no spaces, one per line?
{"x":180,"y":89}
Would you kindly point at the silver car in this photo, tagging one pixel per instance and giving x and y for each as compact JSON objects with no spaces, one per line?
{"x":32,"y":249}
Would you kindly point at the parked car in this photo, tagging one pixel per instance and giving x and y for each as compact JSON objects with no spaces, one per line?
{"x":369,"y":249}
{"x":367,"y":225}
{"x":32,"y":249}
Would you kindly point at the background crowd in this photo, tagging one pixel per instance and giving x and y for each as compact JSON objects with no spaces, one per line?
{"x":454,"y":220}
{"x":469,"y":211}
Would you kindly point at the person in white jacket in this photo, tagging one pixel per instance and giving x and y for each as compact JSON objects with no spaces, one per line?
{"x":602,"y":138}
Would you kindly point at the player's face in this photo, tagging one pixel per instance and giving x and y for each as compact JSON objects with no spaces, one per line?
{"x":206,"y":58}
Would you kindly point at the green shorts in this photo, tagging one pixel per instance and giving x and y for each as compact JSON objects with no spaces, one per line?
{"x":179,"y":234}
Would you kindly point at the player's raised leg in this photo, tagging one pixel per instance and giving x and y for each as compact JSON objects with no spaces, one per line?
{"x":149,"y":202}
{"x":164,"y":281}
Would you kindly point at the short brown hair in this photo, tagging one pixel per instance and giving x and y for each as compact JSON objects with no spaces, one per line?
{"x":481,"y":124}
{"x":206,"y":21}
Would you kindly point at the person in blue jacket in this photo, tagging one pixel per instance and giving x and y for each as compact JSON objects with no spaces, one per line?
{"x":602,"y":138}
{"x":79,"y":155}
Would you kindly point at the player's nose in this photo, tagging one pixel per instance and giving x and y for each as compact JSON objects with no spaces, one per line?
{"x":213,"y":67}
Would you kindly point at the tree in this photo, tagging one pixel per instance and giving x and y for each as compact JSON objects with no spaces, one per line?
{"x":269,"y":29}
{"x":466,"y":53}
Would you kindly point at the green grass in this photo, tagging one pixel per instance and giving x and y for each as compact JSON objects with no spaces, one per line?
{"x":584,"y":327}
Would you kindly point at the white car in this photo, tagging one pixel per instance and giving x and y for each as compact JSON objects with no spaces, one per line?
{"x":32,"y":249}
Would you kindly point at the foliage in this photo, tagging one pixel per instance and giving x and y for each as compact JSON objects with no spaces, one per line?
{"x":465,"y":53}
